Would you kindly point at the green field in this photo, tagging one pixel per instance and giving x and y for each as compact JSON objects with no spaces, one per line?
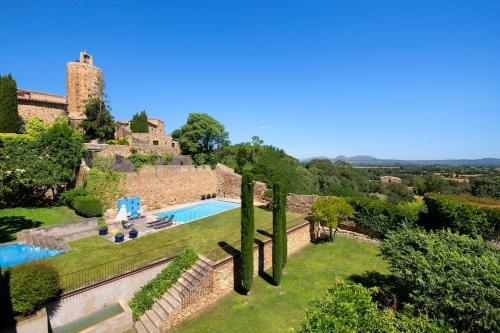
{"x":13,"y":220}
{"x":203,"y":236}
{"x":275,"y":309}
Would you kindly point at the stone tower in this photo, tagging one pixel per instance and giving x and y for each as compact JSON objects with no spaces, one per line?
{"x":83,"y":81}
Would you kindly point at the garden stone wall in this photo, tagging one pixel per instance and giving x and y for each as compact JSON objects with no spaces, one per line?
{"x":166,"y":185}
{"x":229,"y":184}
{"x":300,"y":203}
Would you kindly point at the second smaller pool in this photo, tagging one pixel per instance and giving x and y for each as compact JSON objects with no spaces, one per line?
{"x":198,"y":211}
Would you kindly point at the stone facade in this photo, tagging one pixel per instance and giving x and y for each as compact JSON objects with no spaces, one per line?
{"x":229,"y":184}
{"x":112,"y":150}
{"x":83,"y":81}
{"x":45,"y":106}
{"x":160,"y":143}
{"x":301,"y":204}
{"x":166,"y":185}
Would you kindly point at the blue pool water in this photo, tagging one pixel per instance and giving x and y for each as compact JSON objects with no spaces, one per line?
{"x":14,"y":254}
{"x":195,"y":212}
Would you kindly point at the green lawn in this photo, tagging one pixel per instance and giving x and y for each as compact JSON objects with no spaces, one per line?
{"x":275,"y":309}
{"x":13,"y":220}
{"x":203,"y":236}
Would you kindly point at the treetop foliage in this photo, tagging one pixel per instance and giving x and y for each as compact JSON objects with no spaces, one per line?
{"x":99,"y":124}
{"x":348,"y":307}
{"x":449,"y":276}
{"x":10,"y":121}
{"x":201,"y":136}
{"x":139,"y":123}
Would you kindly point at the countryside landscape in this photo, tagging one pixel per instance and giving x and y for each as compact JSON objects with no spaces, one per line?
{"x":250,"y":167}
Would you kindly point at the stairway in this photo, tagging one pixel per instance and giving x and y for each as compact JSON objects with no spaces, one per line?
{"x":175,"y":298}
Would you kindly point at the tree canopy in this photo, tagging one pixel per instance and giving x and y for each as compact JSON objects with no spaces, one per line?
{"x":139,"y":123}
{"x":449,"y":276}
{"x":10,"y":121}
{"x":99,"y":123}
{"x":201,"y":136}
{"x":329,"y":212}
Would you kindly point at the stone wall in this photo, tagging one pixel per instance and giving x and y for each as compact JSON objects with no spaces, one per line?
{"x":112,"y":150}
{"x":298,"y":238}
{"x":166,"y":185}
{"x":161,"y":143}
{"x":229,"y":184}
{"x":300,"y":203}
{"x":45,"y":106}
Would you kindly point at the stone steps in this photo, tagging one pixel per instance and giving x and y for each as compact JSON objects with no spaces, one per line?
{"x":152,"y":320}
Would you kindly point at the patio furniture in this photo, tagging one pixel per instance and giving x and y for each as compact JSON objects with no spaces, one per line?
{"x":158,"y":221}
{"x":127,"y":225}
{"x":166,"y":223}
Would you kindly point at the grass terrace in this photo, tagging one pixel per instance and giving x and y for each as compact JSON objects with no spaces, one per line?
{"x":204,"y":236}
{"x":308,"y":274}
{"x":13,"y":220}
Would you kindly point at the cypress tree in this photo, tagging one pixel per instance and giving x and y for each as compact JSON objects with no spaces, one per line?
{"x":139,"y":123}
{"x":10,"y":121}
{"x":278,"y":211}
{"x":285,"y":235}
{"x":247,"y":231}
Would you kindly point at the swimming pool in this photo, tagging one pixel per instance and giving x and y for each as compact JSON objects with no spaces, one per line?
{"x":198,"y":211}
{"x":14,"y":254}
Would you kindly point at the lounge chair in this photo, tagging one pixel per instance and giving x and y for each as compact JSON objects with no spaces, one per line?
{"x":127,"y":225}
{"x":152,"y":223}
{"x":166,"y":223}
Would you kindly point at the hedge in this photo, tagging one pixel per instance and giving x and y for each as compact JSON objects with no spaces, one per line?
{"x":145,"y":298}
{"x":377,"y":217}
{"x":88,"y":206}
{"x":31,"y":286}
{"x":461,"y":214}
{"x":68,"y":197}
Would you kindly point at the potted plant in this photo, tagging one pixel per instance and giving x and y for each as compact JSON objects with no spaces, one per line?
{"x":133,"y":233}
{"x":119,"y":237}
{"x":203,"y":197}
{"x":103,"y":230}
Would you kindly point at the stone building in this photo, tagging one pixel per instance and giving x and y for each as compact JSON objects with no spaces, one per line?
{"x":155,"y":141}
{"x":390,"y":179}
{"x":83,"y":80}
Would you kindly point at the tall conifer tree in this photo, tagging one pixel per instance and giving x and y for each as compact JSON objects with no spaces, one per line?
{"x":247,"y":231}
{"x":283,"y":230}
{"x":10,"y":121}
{"x":278,"y":211}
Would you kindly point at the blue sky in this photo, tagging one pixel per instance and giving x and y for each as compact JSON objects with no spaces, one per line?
{"x":392,"y":79}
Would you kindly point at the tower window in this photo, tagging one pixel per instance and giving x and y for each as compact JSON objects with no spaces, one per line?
{"x":155,"y":142}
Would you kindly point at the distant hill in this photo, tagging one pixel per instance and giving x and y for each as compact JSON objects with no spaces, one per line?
{"x":365,"y":159}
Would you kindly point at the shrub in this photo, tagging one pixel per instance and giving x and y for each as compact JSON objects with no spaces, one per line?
{"x":68,"y":198}
{"x":103,"y":228}
{"x":88,"y":206}
{"x":209,"y":196}
{"x":144,"y":299}
{"x":203,"y":197}
{"x":32,"y":285}
{"x":214,"y":195}
{"x":348,"y":307}
{"x":462,"y":214}
{"x":378,"y":217}
{"x":139,"y":160}
{"x":104,"y":184}
{"x":449,"y":276}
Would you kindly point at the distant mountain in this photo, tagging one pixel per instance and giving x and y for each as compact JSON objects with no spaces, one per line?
{"x":365,"y":159}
